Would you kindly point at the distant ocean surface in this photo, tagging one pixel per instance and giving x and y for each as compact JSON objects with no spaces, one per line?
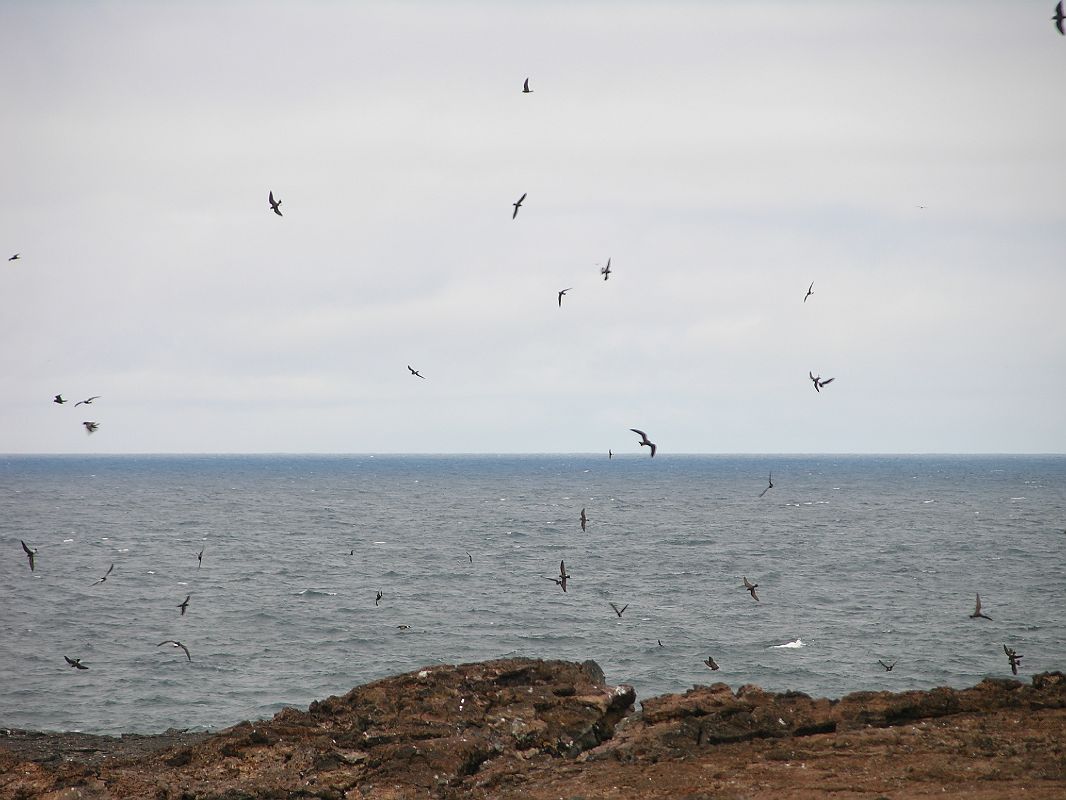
{"x":859,"y":557}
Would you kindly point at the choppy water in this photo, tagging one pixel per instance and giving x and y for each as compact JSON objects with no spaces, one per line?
{"x":859,"y":557}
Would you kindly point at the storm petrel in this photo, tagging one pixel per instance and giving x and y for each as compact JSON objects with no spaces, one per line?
{"x":29,"y":553}
{"x":274,"y":204}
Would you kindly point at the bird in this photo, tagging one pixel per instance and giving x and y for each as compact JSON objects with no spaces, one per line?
{"x":610,"y":455}
{"x":710,"y":662}
{"x":977,"y":611}
{"x":404,"y":627}
{"x":184,"y":604}
{"x":16,"y":256}
{"x":176,"y":643}
{"x":351,"y":552}
{"x":1012,"y":655}
{"x":378,"y":598}
{"x":87,"y":402}
{"x":606,"y":271}
{"x":768,"y":488}
{"x":563,"y":577}
{"x":75,"y":663}
{"x":470,"y":557}
{"x":274,"y":204}
{"x":1058,"y":19}
{"x":416,"y":373}
{"x":888,"y":667}
{"x":584,"y":520}
{"x":561,"y":293}
{"x":105,"y":575}
{"x":527,"y":90}
{"x":810,"y":291}
{"x":619,"y":611}
{"x":660,"y":641}
{"x":58,"y":399}
{"x":90,"y":427}
{"x":818,"y":382}
{"x":645,"y":441}
{"x":200,"y":558}
{"x":518,"y":205}
{"x":751,"y":587}
{"x":29,"y":553}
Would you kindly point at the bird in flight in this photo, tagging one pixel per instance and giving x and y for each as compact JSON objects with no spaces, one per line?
{"x":768,"y":488}
{"x":619,"y":611}
{"x":75,"y":663}
{"x":527,"y":90}
{"x":563,"y":577}
{"x":606,"y":271}
{"x":561,"y":293}
{"x":751,"y":587}
{"x":200,"y":558}
{"x":416,"y":373}
{"x":29,"y":553}
{"x":1058,"y":18}
{"x":378,"y":598}
{"x":888,"y":667}
{"x":184,"y":604}
{"x":87,"y":402}
{"x":274,"y":204}
{"x":58,"y":399}
{"x":710,"y":662}
{"x":645,"y":441}
{"x":610,"y":455}
{"x":518,"y":205}
{"x":818,"y":382}
{"x":584,"y":520}
{"x":1012,"y":655}
{"x":90,"y":427}
{"x":810,"y":291}
{"x":105,"y":575}
{"x":176,"y":643}
{"x":977,"y":611}
{"x":16,"y":256}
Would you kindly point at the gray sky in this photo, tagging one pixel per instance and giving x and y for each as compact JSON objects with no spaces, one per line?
{"x":722,"y":154}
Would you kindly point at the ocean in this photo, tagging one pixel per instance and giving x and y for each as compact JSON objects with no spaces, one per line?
{"x":857,"y":558}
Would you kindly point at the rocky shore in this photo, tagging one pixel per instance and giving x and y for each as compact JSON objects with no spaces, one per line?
{"x":535,"y":730}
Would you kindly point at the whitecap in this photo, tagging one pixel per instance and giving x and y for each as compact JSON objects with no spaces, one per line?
{"x":788,"y":645}
{"x":65,"y":541}
{"x":315,"y":593}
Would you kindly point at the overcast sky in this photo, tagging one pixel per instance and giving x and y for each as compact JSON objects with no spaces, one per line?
{"x":909,"y":158}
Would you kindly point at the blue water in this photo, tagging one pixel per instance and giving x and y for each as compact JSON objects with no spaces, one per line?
{"x":859,"y":557}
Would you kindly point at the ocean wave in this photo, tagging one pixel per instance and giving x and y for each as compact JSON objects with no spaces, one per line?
{"x":788,"y":645}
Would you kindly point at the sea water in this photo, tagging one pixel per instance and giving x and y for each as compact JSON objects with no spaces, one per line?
{"x":857,"y":558}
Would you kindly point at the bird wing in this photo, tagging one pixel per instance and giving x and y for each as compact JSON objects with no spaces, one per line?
{"x":109,"y":570}
{"x":643,"y":435}
{"x":24,"y":547}
{"x":827,"y":381}
{"x":620,"y":613}
{"x":616,"y":611}
{"x":562,"y":569}
{"x":272,"y":199}
{"x":526,"y":85}
{"x":653,"y":448}
{"x":764,"y":491}
{"x":523,"y":197}
{"x":753,"y":593}
{"x":186,"y":649}
{"x":977,"y":607}
{"x":74,"y":663}
{"x":747,"y":584}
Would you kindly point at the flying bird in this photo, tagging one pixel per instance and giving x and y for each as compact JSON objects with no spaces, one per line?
{"x":75,"y":663}
{"x":105,"y":575}
{"x":527,"y":90}
{"x":16,"y":256}
{"x":518,"y":205}
{"x":645,"y":441}
{"x":751,"y":587}
{"x":470,"y":557}
{"x":619,"y":611}
{"x":818,"y":382}
{"x":606,"y":271}
{"x":768,"y":488}
{"x":88,"y":402}
{"x":561,"y":293}
{"x":584,"y":520}
{"x":660,"y":641}
{"x":416,"y":373}
{"x":810,"y":291}
{"x":1058,"y":19}
{"x":274,"y":204}
{"x":184,"y":604}
{"x":710,"y":662}
{"x":1012,"y":655}
{"x":977,"y":611}
{"x":888,"y":667}
{"x":29,"y":553}
{"x":59,"y":399}
{"x":610,"y":455}
{"x":200,"y":558}
{"x":176,"y":643}
{"x":90,"y":427}
{"x":563,"y":577}
{"x":378,"y":598}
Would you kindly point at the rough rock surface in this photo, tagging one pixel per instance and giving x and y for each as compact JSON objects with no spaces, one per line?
{"x":538,"y":729}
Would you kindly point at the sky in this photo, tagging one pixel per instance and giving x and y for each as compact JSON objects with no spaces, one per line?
{"x":909,"y":158}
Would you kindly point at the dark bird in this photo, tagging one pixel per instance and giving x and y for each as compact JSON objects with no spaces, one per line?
{"x":87,"y":402}
{"x":351,"y":552}
{"x":710,"y":662}
{"x":1013,"y":656}
{"x":416,"y":373}
{"x":584,"y":520}
{"x":470,"y":557}
{"x":90,"y":427}
{"x":1058,"y":19}
{"x":818,"y":382}
{"x":184,"y":604}
{"x":645,"y":441}
{"x":619,"y":611}
{"x":561,"y":293}
{"x":75,"y":663}
{"x":29,"y":553}
{"x":378,"y":598}
{"x":200,"y":558}
{"x":16,"y":256}
{"x":59,"y":399}
{"x":660,"y":641}
{"x":610,"y":455}
{"x":527,"y":90}
{"x":518,"y":205}
{"x":176,"y":643}
{"x":274,"y":204}
{"x":404,"y":627}
{"x":977,"y":611}
{"x":768,"y":488}
{"x":105,"y":575}
{"x":606,"y":271}
{"x":888,"y":667}
{"x":563,"y":577}
{"x":751,"y":587}
{"x":810,"y":291}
